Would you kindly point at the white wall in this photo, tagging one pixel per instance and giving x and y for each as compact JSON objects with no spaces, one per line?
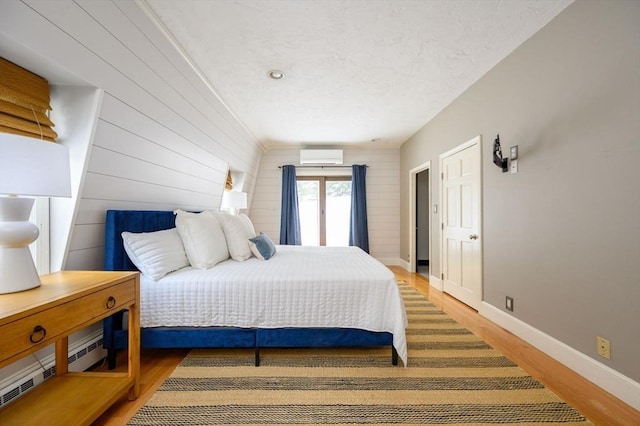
{"x":163,"y":139}
{"x":383,"y":196}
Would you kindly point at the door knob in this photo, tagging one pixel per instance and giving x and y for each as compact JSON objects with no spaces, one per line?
{"x":473,"y":237}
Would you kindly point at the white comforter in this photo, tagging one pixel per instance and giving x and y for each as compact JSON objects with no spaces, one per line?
{"x":298,"y":287}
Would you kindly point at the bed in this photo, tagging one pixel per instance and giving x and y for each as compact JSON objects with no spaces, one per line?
{"x":301,"y":297}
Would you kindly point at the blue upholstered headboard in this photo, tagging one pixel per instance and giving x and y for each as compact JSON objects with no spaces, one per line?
{"x":117,"y":221}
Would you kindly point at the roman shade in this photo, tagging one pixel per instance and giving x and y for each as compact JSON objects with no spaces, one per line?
{"x":24,"y":103}
{"x":228,"y":185}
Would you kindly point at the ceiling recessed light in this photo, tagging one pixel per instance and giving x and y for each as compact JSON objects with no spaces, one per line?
{"x":275,"y":74}
{"x":375,"y":140}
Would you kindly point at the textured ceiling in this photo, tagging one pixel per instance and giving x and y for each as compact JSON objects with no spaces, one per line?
{"x":356,"y":71}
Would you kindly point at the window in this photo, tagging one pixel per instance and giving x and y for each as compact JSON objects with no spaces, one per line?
{"x":325,"y":206}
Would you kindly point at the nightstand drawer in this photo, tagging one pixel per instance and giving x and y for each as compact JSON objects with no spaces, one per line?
{"x":46,"y":326}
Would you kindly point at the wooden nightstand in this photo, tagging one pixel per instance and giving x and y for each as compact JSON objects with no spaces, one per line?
{"x":65,"y":303}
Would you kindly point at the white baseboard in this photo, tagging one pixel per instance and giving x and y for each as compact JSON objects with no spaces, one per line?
{"x":390,"y":261}
{"x":435,"y":282}
{"x":617,"y":384}
{"x":402,"y":263}
{"x":83,"y":353}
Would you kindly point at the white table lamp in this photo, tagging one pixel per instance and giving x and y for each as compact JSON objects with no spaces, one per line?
{"x":233,"y":201}
{"x":33,"y":167}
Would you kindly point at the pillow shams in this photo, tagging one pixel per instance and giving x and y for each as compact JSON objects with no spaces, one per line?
{"x":248,"y":224}
{"x":203,"y":238}
{"x":237,"y":231}
{"x":262,"y":247}
{"x":155,"y":254}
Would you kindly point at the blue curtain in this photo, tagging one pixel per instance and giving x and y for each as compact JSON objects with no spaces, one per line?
{"x":359,"y":230}
{"x":289,"y":214}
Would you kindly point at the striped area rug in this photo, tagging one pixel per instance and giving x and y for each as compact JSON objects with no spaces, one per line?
{"x":453,"y":377}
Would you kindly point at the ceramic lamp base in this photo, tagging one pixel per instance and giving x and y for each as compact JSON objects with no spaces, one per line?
{"x":17,"y":270}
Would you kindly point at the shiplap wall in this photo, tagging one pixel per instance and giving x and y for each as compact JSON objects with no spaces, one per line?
{"x":163,"y":139}
{"x":383,"y":196}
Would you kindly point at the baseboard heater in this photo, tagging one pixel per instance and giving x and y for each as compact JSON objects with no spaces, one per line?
{"x":82,"y":354}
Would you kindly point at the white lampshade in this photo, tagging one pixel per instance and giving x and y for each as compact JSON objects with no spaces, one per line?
{"x":233,"y":201}
{"x":27,"y":167}
{"x":35,"y":167}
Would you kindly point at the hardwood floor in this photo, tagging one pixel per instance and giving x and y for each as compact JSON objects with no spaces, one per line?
{"x":155,"y":366}
{"x":599,"y":406}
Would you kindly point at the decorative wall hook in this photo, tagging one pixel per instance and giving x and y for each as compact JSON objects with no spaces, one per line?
{"x":497,"y":155}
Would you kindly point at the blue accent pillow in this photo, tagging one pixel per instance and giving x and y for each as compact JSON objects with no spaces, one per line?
{"x":262,"y":247}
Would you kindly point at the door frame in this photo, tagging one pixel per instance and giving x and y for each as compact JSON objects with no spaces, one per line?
{"x":473,"y":141}
{"x":412,"y":213}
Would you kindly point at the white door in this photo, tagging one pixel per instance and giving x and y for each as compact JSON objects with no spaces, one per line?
{"x":461,"y":222}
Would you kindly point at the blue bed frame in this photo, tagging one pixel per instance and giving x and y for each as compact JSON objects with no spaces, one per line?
{"x":115,"y":337}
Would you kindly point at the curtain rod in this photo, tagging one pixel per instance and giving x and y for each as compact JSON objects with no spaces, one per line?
{"x":322,"y":167}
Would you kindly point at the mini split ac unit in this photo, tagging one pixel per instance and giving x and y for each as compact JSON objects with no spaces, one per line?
{"x":321,"y":156}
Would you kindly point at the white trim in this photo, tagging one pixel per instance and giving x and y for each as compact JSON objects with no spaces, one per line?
{"x":402,"y":263}
{"x":78,"y":107}
{"x":473,"y":141}
{"x":391,"y":261}
{"x":617,"y":384}
{"x":435,"y":282}
{"x":608,"y":379}
{"x":326,"y":171}
{"x":461,"y":147}
{"x":412,"y":213}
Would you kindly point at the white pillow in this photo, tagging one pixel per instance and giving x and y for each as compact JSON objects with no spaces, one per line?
{"x":155,"y":254}
{"x":248,"y":224}
{"x":203,"y":238}
{"x":237,"y":231}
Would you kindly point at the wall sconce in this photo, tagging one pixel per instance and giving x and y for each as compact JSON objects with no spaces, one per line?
{"x":33,"y":167}
{"x":497,"y":155}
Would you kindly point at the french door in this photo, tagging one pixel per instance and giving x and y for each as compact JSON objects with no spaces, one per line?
{"x":325,"y":206}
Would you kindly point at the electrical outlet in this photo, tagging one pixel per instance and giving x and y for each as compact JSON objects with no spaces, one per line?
{"x":604,"y":347}
{"x":509,"y":303}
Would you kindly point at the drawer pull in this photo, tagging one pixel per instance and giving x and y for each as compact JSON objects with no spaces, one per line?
{"x":111,"y":302}
{"x":38,"y":334}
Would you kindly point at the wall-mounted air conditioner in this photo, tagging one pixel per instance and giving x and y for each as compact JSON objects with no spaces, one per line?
{"x":321,"y":156}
